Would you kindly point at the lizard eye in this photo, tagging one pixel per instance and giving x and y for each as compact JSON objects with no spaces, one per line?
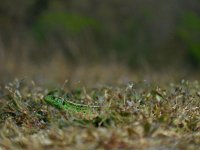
{"x":63,"y":103}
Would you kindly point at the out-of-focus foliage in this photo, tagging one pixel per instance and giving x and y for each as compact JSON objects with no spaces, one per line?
{"x":132,"y":32}
{"x":56,"y":21}
{"x":190,"y":33}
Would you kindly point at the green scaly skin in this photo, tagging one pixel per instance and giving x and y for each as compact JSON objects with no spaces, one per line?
{"x":62,"y":104}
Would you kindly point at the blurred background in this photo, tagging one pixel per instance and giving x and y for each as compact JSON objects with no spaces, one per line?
{"x":96,"y":40}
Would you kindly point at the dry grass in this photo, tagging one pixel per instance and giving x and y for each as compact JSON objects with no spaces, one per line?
{"x":133,"y":116}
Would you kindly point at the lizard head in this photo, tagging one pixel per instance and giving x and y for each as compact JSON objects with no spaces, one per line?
{"x":54,"y":101}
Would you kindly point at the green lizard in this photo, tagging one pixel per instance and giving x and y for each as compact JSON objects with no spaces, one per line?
{"x":62,"y":104}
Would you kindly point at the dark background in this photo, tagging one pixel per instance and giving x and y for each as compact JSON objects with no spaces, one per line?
{"x":58,"y":37}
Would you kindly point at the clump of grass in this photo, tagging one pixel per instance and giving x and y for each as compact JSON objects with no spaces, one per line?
{"x":133,"y":116}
